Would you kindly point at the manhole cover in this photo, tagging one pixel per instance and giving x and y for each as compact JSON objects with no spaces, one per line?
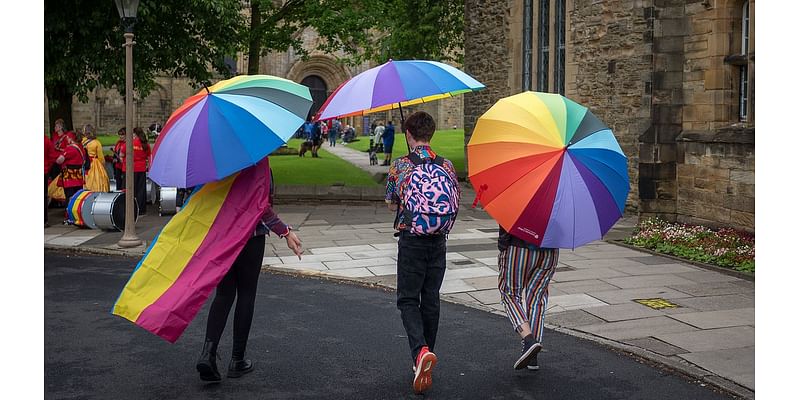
{"x":657,"y":303}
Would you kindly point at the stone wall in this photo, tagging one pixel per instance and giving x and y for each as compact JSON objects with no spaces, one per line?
{"x":488,"y":52}
{"x":610,"y":43}
{"x":716,"y":178}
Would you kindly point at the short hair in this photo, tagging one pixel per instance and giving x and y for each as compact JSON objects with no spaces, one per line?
{"x":59,"y":122}
{"x":421,"y":126}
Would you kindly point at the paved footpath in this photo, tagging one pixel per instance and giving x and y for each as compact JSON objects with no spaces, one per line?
{"x":707,"y":329}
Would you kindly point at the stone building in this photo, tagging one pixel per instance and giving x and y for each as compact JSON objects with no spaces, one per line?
{"x":321,"y":72}
{"x":673,"y":79}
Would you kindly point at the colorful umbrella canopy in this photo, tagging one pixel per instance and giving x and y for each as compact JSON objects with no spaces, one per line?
{"x":548,"y":170}
{"x":226,"y":128}
{"x":396,"y":84}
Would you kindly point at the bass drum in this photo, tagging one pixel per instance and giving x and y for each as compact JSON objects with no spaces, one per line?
{"x":152,"y":191}
{"x":79,"y":208}
{"x":168,"y":201}
{"x":108,"y":211}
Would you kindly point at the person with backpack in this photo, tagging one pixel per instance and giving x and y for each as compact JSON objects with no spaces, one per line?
{"x":422,"y":187}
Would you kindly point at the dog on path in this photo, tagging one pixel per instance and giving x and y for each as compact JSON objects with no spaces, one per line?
{"x":373,"y":156}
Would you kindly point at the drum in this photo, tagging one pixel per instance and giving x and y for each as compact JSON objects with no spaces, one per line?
{"x":79,"y":208}
{"x":152,"y":191}
{"x":168,"y":201}
{"x":108,"y":211}
{"x":112,"y":185}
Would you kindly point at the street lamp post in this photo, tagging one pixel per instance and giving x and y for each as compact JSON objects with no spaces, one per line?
{"x":127,"y":11}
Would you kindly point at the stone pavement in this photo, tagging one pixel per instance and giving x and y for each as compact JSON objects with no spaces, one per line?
{"x":708,"y":330}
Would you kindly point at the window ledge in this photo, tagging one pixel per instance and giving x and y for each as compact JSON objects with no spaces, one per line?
{"x":731,"y":134}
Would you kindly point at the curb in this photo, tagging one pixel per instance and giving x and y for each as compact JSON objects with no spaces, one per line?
{"x":680,"y":366}
{"x":721,"y":270}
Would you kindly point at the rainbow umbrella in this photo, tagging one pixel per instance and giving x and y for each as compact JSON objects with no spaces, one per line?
{"x":396,"y":84}
{"x":548,"y":170}
{"x":226,"y":128}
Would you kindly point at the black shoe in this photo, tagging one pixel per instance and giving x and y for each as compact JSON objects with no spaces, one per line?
{"x":207,"y":364}
{"x":530,"y":348}
{"x":237,"y":368}
{"x":534,"y":364}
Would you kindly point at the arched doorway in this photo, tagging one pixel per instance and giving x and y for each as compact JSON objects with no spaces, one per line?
{"x":319,"y":92}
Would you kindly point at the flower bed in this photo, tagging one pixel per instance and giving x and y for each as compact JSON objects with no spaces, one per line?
{"x":725,"y":247}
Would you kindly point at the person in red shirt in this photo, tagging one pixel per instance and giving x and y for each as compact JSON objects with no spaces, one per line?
{"x":119,"y":177}
{"x":141,"y":157}
{"x":71,"y":161}
{"x":50,"y":156}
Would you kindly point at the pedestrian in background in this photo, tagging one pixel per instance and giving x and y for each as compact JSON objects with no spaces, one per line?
{"x":71,"y":160}
{"x":119,"y":177}
{"x":50,"y":156}
{"x":388,"y":141}
{"x":376,"y":139}
{"x":240,"y":283}
{"x":423,"y":188}
{"x":316,"y":138}
{"x":141,"y":157}
{"x":525,"y":271}
{"x":333,"y":133}
{"x":96,"y":176}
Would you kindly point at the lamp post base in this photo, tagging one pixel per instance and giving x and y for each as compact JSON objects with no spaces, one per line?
{"x":129,"y":242}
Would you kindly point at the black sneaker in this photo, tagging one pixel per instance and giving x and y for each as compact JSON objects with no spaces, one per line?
{"x":534,"y":364}
{"x":530,"y":349}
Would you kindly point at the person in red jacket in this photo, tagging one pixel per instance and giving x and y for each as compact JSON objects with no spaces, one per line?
{"x":71,"y":161}
{"x":141,"y":157}
{"x":50,"y":156}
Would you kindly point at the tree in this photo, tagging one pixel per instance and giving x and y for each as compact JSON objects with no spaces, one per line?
{"x":365,"y":30}
{"x":181,"y":38}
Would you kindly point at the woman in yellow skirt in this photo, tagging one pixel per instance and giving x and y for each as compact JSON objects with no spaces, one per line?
{"x":96,"y":177}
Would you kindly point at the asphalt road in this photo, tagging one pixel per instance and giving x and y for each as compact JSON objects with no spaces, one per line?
{"x":316,"y":339}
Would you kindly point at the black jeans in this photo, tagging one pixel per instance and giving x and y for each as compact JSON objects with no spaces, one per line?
{"x":242,"y":281}
{"x":140,"y":190}
{"x":420,"y":271}
{"x":119,"y":177}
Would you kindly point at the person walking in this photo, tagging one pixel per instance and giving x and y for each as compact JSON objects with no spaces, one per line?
{"x":240,"y":283}
{"x":141,"y":157}
{"x":50,"y":156}
{"x":525,"y":271}
{"x":388,"y":142}
{"x":333,"y":133}
{"x":376,"y":139}
{"x":422,"y":187}
{"x":316,"y":138}
{"x":96,"y":176}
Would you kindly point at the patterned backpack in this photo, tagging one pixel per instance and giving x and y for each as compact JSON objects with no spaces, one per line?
{"x":430,"y":200}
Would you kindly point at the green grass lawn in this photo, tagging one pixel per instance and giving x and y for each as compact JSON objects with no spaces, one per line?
{"x":325,"y":170}
{"x":110,"y":140}
{"x":448,"y":143}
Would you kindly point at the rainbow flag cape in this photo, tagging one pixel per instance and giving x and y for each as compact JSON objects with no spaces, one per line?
{"x":192,"y":253}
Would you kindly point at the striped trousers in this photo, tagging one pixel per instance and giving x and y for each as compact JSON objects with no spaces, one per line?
{"x":526,"y":272}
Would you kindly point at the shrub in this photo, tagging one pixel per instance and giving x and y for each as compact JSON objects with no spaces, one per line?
{"x":724,"y":247}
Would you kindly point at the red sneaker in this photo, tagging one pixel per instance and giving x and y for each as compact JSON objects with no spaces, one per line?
{"x":426,"y":360}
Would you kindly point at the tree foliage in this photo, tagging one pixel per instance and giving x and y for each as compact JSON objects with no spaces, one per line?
{"x":191,"y":38}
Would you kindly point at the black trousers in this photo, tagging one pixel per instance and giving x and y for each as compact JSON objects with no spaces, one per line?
{"x":140,"y":190}
{"x":119,"y":177}
{"x":420,"y":271}
{"x":242,"y":281}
